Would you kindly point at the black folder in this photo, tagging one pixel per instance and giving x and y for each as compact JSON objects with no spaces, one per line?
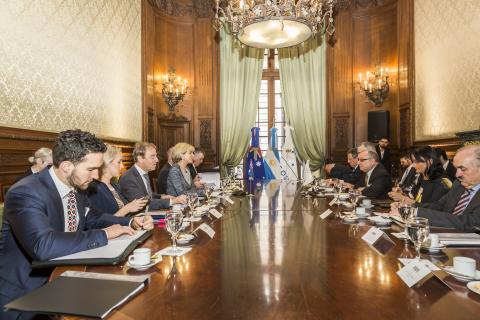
{"x":77,"y":296}
{"x":94,"y":261}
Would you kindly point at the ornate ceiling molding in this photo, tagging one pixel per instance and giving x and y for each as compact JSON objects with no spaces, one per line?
{"x":194,"y":8}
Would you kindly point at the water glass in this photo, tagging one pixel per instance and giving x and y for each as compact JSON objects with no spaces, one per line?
{"x":418,"y":230}
{"x":174,"y":221}
{"x":405,"y":211}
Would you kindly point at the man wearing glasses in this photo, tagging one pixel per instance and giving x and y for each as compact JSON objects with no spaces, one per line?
{"x":378,"y":182}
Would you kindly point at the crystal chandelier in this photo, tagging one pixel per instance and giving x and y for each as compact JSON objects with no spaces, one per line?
{"x":174,"y":88}
{"x":270,"y":24}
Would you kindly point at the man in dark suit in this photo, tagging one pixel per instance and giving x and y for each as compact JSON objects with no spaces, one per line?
{"x":409,"y":173}
{"x":163,"y":174}
{"x":198,"y":158}
{"x":447,"y":165}
{"x":135,"y":182}
{"x":377,"y":180}
{"x":335,"y":170}
{"x":383,"y":152}
{"x":45,"y":217}
{"x":355,"y":177}
{"x":460,"y":207}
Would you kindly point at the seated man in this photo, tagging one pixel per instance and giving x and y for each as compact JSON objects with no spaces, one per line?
{"x":377,"y":180}
{"x":46,"y":218}
{"x":163,"y":174}
{"x":460,"y":207}
{"x":448,"y":166}
{"x":355,"y":176}
{"x":334,"y":170}
{"x":198,"y":157}
{"x":135,"y":182}
{"x":409,"y":173}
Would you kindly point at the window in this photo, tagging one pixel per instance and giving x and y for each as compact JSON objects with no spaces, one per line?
{"x":270,"y":111}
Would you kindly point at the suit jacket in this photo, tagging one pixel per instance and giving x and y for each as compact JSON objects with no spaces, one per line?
{"x":385,"y":160}
{"x":162,"y":178}
{"x":132,"y":187}
{"x":177,"y":185}
{"x":439,"y":213}
{"x":409,"y":179}
{"x":25,"y":174}
{"x":379,"y":184}
{"x":451,"y":171}
{"x":433,"y":190}
{"x":338,"y":171}
{"x":33,"y":229}
{"x":355,"y":176}
{"x":193,"y":171}
{"x":100,"y":197}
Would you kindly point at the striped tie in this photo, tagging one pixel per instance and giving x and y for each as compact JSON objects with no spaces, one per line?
{"x":462,"y":203}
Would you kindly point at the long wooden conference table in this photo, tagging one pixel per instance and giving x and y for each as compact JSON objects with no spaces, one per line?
{"x":273,"y":257}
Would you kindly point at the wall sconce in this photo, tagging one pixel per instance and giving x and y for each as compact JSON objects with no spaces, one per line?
{"x":375,"y":85}
{"x":174,"y":89}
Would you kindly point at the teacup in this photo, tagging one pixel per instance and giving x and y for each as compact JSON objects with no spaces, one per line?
{"x":434,"y":242}
{"x":465,"y":265}
{"x":140,"y":257}
{"x":360,"y":211}
{"x":367,"y":202}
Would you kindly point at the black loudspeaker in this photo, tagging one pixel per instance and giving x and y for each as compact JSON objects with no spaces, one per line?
{"x":378,"y":125}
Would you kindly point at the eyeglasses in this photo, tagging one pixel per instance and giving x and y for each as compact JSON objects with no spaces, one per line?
{"x":364,"y":159}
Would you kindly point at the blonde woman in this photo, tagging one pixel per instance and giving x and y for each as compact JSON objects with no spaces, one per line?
{"x":179,"y":179}
{"x":40,"y":160}
{"x":105,"y":195}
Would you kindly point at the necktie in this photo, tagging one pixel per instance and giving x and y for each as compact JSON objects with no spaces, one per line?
{"x":147,"y":180}
{"x":71,"y":212}
{"x":462,"y":203}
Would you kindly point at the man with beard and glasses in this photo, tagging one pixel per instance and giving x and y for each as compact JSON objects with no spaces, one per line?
{"x":47,"y":216}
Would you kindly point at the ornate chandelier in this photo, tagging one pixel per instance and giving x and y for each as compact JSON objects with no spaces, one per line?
{"x":270,"y":24}
{"x":375,"y":85}
{"x":174,"y":89}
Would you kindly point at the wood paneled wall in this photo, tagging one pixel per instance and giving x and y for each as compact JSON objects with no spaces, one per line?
{"x":17,"y":145}
{"x":180,"y":34}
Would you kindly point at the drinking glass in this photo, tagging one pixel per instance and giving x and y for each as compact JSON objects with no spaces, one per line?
{"x":405,"y":211}
{"x":418,"y":231}
{"x":353,"y":197}
{"x":192,"y":200}
{"x":174,"y":221}
{"x":208,"y":192}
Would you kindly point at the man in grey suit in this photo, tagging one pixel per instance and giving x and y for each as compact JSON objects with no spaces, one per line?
{"x":460,"y":207}
{"x":135,"y":182}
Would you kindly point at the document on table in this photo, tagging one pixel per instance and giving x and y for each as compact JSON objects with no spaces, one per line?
{"x":113,"y":249}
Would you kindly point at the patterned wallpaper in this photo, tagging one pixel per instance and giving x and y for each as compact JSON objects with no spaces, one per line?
{"x":71,"y":64}
{"x":447,"y":67}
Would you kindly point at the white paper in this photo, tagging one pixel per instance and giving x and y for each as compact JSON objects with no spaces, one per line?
{"x":215,"y":213}
{"x":399,"y":235}
{"x":326,"y":213}
{"x":113,"y":249}
{"x":334,"y":200}
{"x":427,"y":263}
{"x":372,"y":235}
{"x":227,"y":198}
{"x":207,"y":229}
{"x":104,"y":276}
{"x":413,"y":273}
{"x":178,"y":252}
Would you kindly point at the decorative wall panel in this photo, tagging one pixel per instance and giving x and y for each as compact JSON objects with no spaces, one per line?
{"x":71,"y":64}
{"x":447,"y":79}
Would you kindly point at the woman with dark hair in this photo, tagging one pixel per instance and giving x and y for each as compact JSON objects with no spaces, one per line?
{"x":433,"y":181}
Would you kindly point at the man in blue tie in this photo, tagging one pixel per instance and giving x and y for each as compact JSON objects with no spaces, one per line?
{"x":47,"y":216}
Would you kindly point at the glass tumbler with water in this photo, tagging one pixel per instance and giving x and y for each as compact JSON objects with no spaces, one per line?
{"x":418,"y":231}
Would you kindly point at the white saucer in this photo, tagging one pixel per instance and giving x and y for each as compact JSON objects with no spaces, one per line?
{"x":367,"y":207}
{"x":438,"y":248}
{"x":474,"y":286}
{"x":366,"y":215}
{"x":185,"y":238}
{"x":456,"y":275}
{"x":144,"y":266}
{"x":380,"y":220}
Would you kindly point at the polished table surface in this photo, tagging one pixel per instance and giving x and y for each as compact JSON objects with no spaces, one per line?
{"x":273,"y":257}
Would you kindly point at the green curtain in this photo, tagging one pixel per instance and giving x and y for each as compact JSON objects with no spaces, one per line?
{"x":240,"y":76}
{"x":302,"y":78}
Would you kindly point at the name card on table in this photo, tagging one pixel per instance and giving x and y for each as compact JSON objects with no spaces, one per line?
{"x":413,"y":273}
{"x":427,"y":263}
{"x":227,"y":198}
{"x":207,"y":229}
{"x":326,"y":213}
{"x":372,"y":235}
{"x":334,"y":200}
{"x":215,"y":213}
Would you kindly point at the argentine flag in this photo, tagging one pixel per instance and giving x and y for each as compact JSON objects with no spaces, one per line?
{"x":272,"y":158}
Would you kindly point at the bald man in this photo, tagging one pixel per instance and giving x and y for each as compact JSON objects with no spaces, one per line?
{"x":460,"y":207}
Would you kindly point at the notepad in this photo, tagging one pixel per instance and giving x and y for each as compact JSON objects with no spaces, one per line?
{"x":79,"y":294}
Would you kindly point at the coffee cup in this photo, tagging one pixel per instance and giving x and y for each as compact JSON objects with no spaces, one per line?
{"x":434,"y":240}
{"x":140,"y":257}
{"x":360,"y":211}
{"x":367,"y":202}
{"x":465,"y":265}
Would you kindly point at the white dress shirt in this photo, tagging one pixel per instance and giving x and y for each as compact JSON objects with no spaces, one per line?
{"x":369,"y":173}
{"x":405,"y":174}
{"x":63,"y":190}
{"x":445,"y":165}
